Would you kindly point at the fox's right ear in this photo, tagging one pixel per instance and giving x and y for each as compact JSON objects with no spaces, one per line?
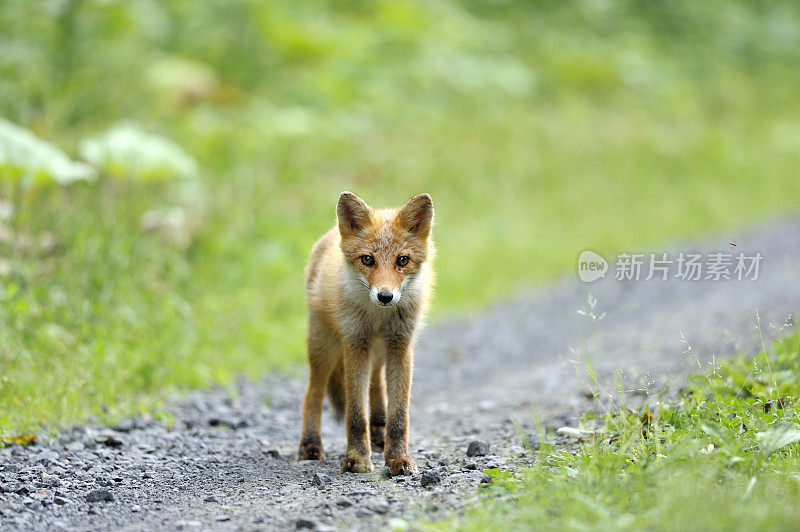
{"x":353,"y":214}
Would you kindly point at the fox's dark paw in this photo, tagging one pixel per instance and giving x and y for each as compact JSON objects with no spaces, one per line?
{"x":401,"y":464}
{"x":356,"y":463}
{"x":311,"y":451}
{"x":377,"y":434}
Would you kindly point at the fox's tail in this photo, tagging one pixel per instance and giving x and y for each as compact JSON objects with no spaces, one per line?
{"x":336,"y":390}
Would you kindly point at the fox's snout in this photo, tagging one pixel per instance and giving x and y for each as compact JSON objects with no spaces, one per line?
{"x":384,"y":297}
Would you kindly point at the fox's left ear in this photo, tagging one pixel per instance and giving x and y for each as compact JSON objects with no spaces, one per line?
{"x":416,"y":216}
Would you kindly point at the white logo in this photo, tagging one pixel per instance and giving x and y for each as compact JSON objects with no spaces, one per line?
{"x":591,"y":266}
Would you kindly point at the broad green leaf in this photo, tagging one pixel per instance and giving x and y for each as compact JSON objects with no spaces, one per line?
{"x":127,"y":151}
{"x":722,"y":435}
{"x":777,"y":437}
{"x":573,"y":432}
{"x":23,"y":156}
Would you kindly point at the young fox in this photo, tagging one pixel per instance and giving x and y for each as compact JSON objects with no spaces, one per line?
{"x":367,"y":283}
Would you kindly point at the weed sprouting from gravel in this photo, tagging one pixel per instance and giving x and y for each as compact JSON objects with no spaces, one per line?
{"x":602,"y":398}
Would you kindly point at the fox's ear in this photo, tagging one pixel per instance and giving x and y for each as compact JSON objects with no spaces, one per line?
{"x":416,"y":216}
{"x":353,"y":214}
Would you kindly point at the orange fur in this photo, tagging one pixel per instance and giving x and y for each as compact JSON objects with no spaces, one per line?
{"x":366,"y":303}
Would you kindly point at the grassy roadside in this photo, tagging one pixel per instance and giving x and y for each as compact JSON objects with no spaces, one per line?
{"x":539,"y":132}
{"x":724,"y":456}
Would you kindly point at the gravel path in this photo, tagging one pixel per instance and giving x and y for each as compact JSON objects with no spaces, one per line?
{"x":227,"y":460}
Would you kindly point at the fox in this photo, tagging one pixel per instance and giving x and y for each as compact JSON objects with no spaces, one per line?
{"x":368,"y":284}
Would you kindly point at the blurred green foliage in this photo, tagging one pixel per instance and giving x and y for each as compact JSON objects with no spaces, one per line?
{"x":539,"y":128}
{"x":26,"y":160}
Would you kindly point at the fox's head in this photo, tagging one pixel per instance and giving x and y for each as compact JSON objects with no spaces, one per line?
{"x":386,"y":248}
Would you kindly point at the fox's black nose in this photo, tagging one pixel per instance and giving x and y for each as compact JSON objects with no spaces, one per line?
{"x":384,"y":297}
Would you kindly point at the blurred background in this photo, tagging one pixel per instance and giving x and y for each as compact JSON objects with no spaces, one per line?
{"x":165,"y":167}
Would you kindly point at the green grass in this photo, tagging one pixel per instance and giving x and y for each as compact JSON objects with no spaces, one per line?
{"x":724,"y":456}
{"x":539,"y":131}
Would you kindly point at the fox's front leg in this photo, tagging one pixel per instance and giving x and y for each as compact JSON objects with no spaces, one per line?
{"x":399,"y":364}
{"x":377,"y":405}
{"x":357,"y":377}
{"x":323,"y":352}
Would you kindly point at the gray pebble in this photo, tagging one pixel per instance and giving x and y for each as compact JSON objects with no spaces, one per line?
{"x":429,"y":478}
{"x":344,"y":502}
{"x":477,"y":448}
{"x":99,"y":496}
{"x":320,"y":479}
{"x":380,"y":508}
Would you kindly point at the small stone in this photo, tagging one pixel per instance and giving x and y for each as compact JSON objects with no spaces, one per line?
{"x":75,"y":446}
{"x":222,"y":518}
{"x":363,"y":512}
{"x":305,"y":524}
{"x":109,"y":440}
{"x":99,"y":496}
{"x":320,"y":479}
{"x":126,"y":425}
{"x":477,"y":448}
{"x":272,"y":453}
{"x":429,"y":478}
{"x":486,"y":479}
{"x":7,"y":506}
{"x":211,"y":498}
{"x":344,"y":502}
{"x":136,"y":508}
{"x":232,"y":423}
{"x":180,"y":525}
{"x":380,"y":508}
{"x":60,"y":500}
{"x":469,"y":464}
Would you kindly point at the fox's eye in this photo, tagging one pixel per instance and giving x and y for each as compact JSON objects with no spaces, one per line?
{"x":403,"y":260}
{"x":367,"y":260}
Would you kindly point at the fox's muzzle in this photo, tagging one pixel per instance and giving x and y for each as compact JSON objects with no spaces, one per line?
{"x":384,"y":297}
